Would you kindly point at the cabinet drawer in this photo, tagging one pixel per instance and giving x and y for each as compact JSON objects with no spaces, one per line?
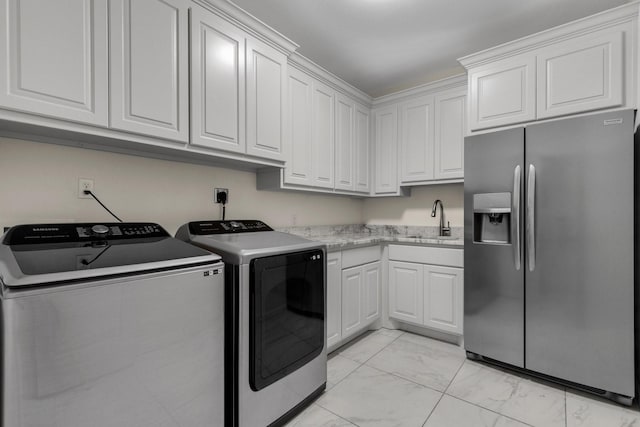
{"x":426,"y":255}
{"x":359,"y":256}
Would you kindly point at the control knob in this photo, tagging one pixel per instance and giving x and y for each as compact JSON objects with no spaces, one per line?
{"x":100,"y":230}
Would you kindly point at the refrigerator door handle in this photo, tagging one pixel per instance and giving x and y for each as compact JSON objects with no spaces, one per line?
{"x":531,"y":216}
{"x":515,"y":219}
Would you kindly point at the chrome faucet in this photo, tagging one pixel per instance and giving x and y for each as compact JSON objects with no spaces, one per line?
{"x":444,"y":231}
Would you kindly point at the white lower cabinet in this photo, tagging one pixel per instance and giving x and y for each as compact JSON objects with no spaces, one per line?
{"x":334,"y":298}
{"x":405,"y":291}
{"x":353,"y":293}
{"x":442,"y":299}
{"x":425,"y":294}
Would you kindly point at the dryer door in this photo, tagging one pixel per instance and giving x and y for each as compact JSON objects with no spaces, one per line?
{"x":286,"y":314}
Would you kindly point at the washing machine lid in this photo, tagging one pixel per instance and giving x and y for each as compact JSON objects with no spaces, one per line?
{"x":240,"y":241}
{"x":38,"y":254}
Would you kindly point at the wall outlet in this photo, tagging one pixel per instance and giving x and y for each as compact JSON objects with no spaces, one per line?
{"x":84,"y":184}
{"x":217,"y":191}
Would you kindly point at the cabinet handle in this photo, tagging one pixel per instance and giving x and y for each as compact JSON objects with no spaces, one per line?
{"x":531,"y":217}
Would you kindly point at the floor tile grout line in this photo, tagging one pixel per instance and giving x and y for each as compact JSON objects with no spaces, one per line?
{"x":376,"y":353}
{"x":433,"y":409}
{"x":490,"y":410}
{"x":456,"y":374}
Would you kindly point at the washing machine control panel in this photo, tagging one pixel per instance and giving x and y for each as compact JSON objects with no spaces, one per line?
{"x":81,"y":232}
{"x":227,"y":227}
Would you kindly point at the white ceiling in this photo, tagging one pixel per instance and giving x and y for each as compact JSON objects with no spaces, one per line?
{"x":381,"y":46}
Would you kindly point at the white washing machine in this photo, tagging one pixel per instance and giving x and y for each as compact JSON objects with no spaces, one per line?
{"x":110,"y":325}
{"x":278,"y":354}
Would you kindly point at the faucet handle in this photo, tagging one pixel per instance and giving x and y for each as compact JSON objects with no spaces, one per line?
{"x":446,"y":231}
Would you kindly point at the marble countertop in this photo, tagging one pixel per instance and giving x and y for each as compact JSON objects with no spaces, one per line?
{"x":356,"y":235}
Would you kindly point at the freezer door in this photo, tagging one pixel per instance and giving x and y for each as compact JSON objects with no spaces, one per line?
{"x":580,"y":294}
{"x":493,"y":279}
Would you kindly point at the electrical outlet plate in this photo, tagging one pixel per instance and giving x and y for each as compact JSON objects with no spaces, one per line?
{"x":220,"y":190}
{"x":84,"y":184}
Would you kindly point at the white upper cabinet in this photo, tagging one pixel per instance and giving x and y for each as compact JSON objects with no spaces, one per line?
{"x":450,"y":125}
{"x":503,"y":93}
{"x":149,"y":67}
{"x":217,"y":83}
{"x":580,"y":75}
{"x":266,"y":99}
{"x":55,"y":59}
{"x":362,"y":138}
{"x":585,"y":65}
{"x":386,"y":150}
{"x":298,"y":169}
{"x":345,"y":143}
{"x":322,"y":136}
{"x":416,"y":140}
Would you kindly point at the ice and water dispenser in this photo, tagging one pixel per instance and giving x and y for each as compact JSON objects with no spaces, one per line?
{"x":492,"y":218}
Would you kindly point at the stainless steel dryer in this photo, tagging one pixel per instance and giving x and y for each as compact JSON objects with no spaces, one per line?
{"x":277,"y":280}
{"x":110,"y":325}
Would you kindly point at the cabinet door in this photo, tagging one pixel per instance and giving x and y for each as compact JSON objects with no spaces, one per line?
{"x":149,"y":63}
{"x":416,"y":140}
{"x":322,"y":135}
{"x":345,"y":143}
{"x":443,"y":299}
{"x":352,"y":310}
{"x":406,"y":291}
{"x":362,"y":151}
{"x":54,"y":59}
{"x":386,"y":150}
{"x":503,"y":93}
{"x":217,"y":83}
{"x":334,"y":299}
{"x":266,"y":95}
{"x":371,"y":292}
{"x":450,"y":125}
{"x":581,"y":75}
{"x":298,"y":169}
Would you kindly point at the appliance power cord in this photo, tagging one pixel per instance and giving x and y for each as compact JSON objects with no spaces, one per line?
{"x":89,"y":192}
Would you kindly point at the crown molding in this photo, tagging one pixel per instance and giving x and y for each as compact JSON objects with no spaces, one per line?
{"x":316,"y":71}
{"x":458,"y":81}
{"x":228,"y":10}
{"x":627,"y":13}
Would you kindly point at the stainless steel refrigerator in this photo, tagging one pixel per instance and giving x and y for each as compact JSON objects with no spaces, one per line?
{"x":549,"y":250}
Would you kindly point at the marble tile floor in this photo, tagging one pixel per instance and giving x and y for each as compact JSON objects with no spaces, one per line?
{"x":395,"y":379}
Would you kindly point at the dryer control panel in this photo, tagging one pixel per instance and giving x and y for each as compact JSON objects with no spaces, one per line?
{"x":227,"y":227}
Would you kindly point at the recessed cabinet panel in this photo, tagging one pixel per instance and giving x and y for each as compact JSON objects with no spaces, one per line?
{"x":300,"y":157}
{"x":386,"y":146}
{"x":406,"y":291}
{"x":502,"y":93}
{"x":323,"y":135}
{"x":149,"y":63}
{"x":581,"y":75}
{"x":362,"y":150}
{"x":450,"y":125}
{"x":443,"y":287}
{"x":345,"y":143}
{"x":352,"y":314}
{"x":334,"y":299}
{"x":217,"y":83}
{"x":416,"y":141}
{"x":266,"y":94}
{"x":55,"y":59}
